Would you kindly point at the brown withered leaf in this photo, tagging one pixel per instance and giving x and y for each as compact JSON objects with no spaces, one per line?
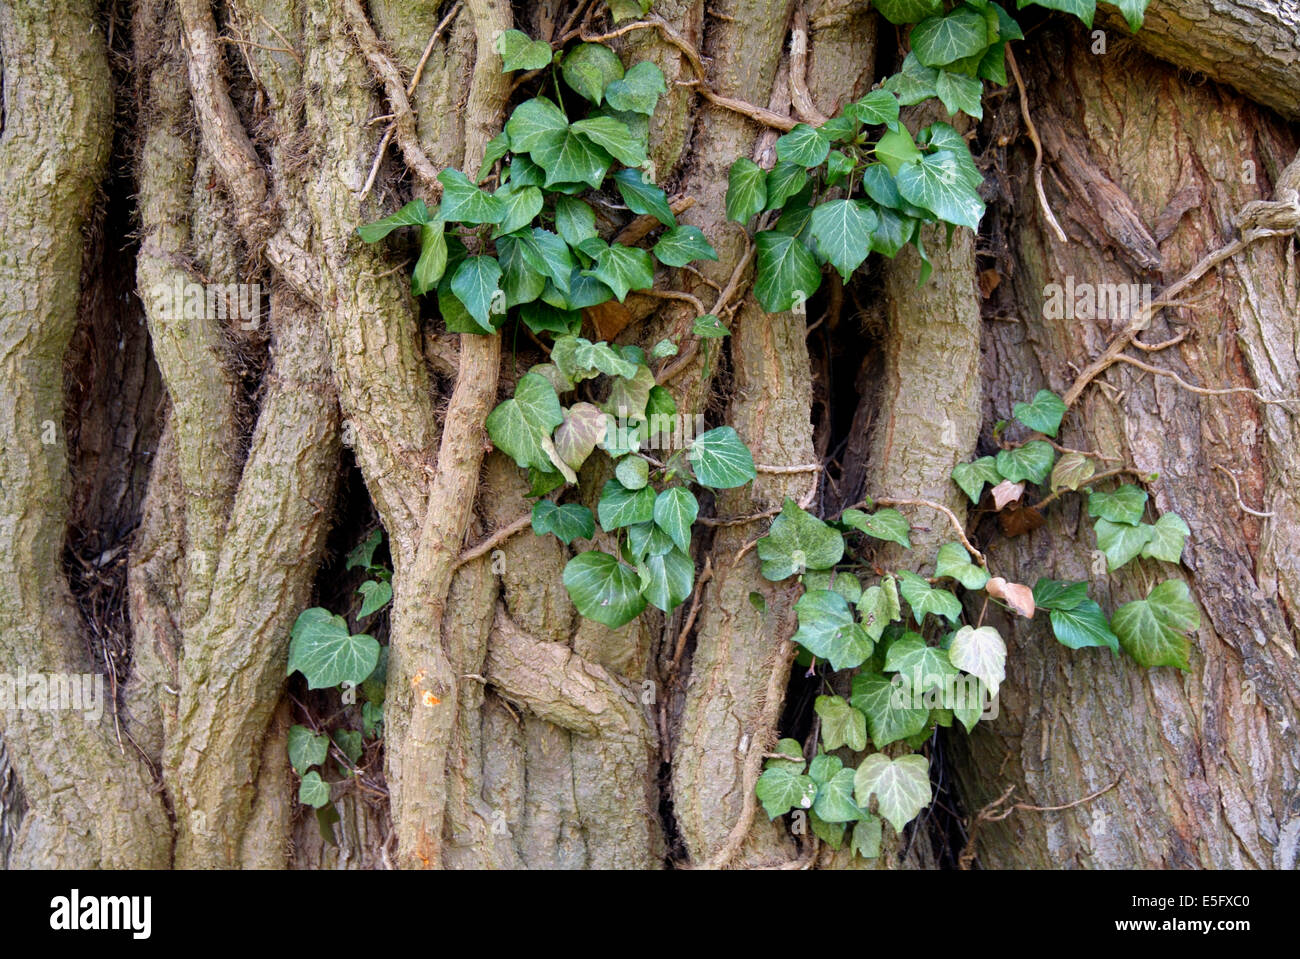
{"x":988,"y":282}
{"x":1017,"y":596}
{"x":1016,"y":520}
{"x":607,"y":319}
{"x":1006,"y":492}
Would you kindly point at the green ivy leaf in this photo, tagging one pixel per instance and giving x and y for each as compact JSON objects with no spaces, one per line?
{"x":879,"y":700}
{"x":324,"y":650}
{"x":639,"y":89}
{"x":1058,"y":594}
{"x":904,"y":12}
{"x":415,"y":213}
{"x":522,"y":203}
{"x":709,"y":327}
{"x":364,"y":553}
{"x":783,"y":787}
{"x":628,"y":396}
{"x":623,"y":268}
{"x":901,"y":786}
{"x":567,"y":522}
{"x":313,"y":791}
{"x":570,"y":158}
{"x":1134,"y":12}
{"x":876,"y":108}
{"x":1123,"y":505}
{"x":575,"y":221}
{"x":463,"y":202}
{"x":1168,"y":536}
{"x":614,"y":136}
{"x":924,"y":598}
{"x":584,"y":426}
{"x":797,"y":542}
{"x":647,"y":539}
{"x":746,"y":190}
{"x":954,"y":561}
{"x":805,"y":145}
{"x":842,"y":229}
{"x":306,"y":749}
{"x":887,"y":524}
{"x":938,"y":41}
{"x":376,"y":594}
{"x":924,"y":666}
{"x":960,"y":93}
{"x":603,"y":589}
{"x":432,"y":263}
{"x":827,"y":629}
{"x":1083,"y":9}
{"x":1042,"y":414}
{"x":1071,"y":471}
{"x":349,"y":742}
{"x":642,"y":197}
{"x":675,"y":513}
{"x":589,"y":68}
{"x":895,"y":148}
{"x":580,"y":359}
{"x":476,"y":283}
{"x":935,"y":182}
{"x":1083,"y":625}
{"x":633,"y":472}
{"x":971,"y":477}
{"x":620,"y":506}
{"x":834,"y":803}
{"x":787,"y":273}
{"x":1152,"y":630}
{"x":682,"y":244}
{"x":783,"y":181}
{"x":868,"y":833}
{"x":720,"y":459}
{"x":667,"y":579}
{"x":521,"y":52}
{"x":914,"y":83}
{"x":1121,"y":542}
{"x":532,"y":122}
{"x":1032,"y":462}
{"x":982,"y":653}
{"x":521,"y":426}
{"x":878,"y":607}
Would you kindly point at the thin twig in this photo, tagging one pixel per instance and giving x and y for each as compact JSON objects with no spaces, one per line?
{"x":1038,"y":148}
{"x":493,"y":541}
{"x":1236,"y":488}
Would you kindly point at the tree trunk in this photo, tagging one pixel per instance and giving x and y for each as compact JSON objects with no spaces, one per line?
{"x":178,"y":486}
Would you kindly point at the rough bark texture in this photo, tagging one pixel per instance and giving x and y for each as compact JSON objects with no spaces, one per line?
{"x":240,"y":461}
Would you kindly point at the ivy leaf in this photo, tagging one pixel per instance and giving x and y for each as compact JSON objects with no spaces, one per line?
{"x":1134,"y":12}
{"x":647,"y":539}
{"x":639,"y":89}
{"x":878,"y":606}
{"x":797,"y":542}
{"x":415,"y":213}
{"x":901,"y":786}
{"x":720,"y":460}
{"x":520,"y":52}
{"x":620,"y":506}
{"x":1042,"y":414}
{"x":667,"y":579}
{"x":533,"y":121}
{"x":548,"y":255}
{"x":476,"y":283}
{"x":623,"y":268}
{"x":783,"y":787}
{"x":544,"y":318}
{"x":805,"y":145}
{"x":1121,"y":542}
{"x":924,"y":598}
{"x":580,"y":359}
{"x":432,"y":263}
{"x":376,"y":594}
{"x":522,"y":203}
{"x":313,"y":791}
{"x":349,"y":742}
{"x":954,"y":561}
{"x":868,"y":833}
{"x":584,"y":426}
{"x":938,"y":41}
{"x":567,"y":522}
{"x":628,"y":396}
{"x":633,"y":472}
{"x":894,"y":149}
{"x":1152,"y":630}
{"x":1083,"y":625}
{"x":569,"y":158}
{"x":463,"y":202}
{"x":603,"y":589}
{"x":324,"y":650}
{"x":886,"y":524}
{"x":709,"y":327}
{"x":1168,"y":536}
{"x":883,"y":702}
{"x":827,"y":629}
{"x":876,"y":108}
{"x":936,"y":182}
{"x":519,"y":281}
{"x":982,"y":653}
{"x":614,"y":136}
{"x":971,"y":477}
{"x":575,"y":221}
{"x":1057,"y":594}
{"x":960,"y":93}
{"x":746,"y":190}
{"x":1071,"y":471}
{"x":1123,"y":505}
{"x":914,"y":83}
{"x":787,"y":273}
{"x":642,"y":197}
{"x":924,"y":666}
{"x":675,"y":513}
{"x":783,"y":181}
{"x":306,"y":749}
{"x":364,"y":553}
{"x":834,"y":803}
{"x":907,"y":11}
{"x":842,"y":229}
{"x":682,"y":244}
{"x":1032,"y":462}
{"x":589,"y":68}
{"x":1083,"y":9}
{"x":518,"y":426}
